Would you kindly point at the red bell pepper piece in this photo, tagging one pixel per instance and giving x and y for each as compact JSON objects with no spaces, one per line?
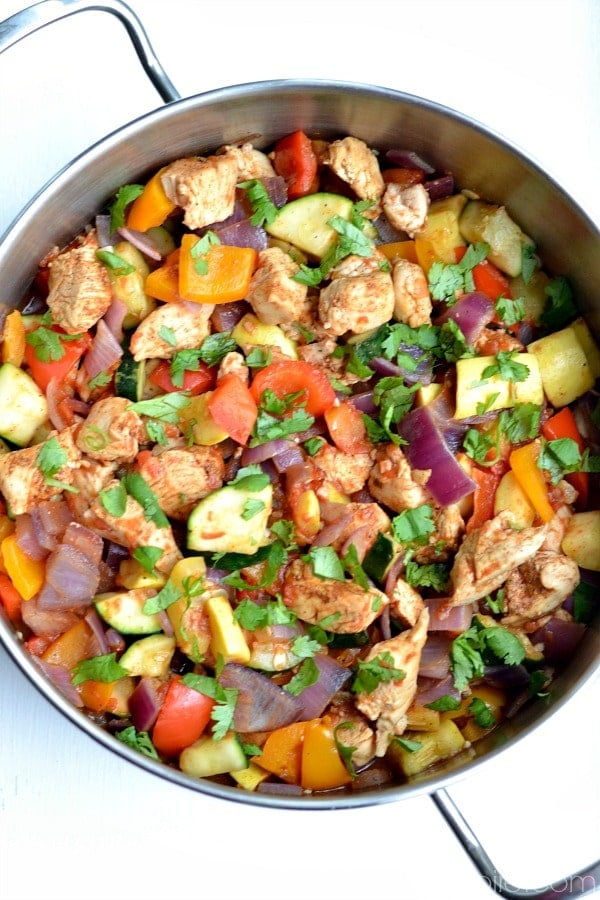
{"x":296,"y":161}
{"x":563,"y":425}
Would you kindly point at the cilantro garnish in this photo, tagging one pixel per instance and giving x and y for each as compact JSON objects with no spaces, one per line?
{"x":166,"y":407}
{"x":225,"y":701}
{"x":530,"y":262}
{"x":275,"y":555}
{"x":351,"y":242}
{"x":184,"y":361}
{"x":117,"y":265}
{"x":413,"y":525}
{"x":263,"y":210}
{"x":124,"y":196}
{"x":258,"y":358}
{"x":168,"y":595}
{"x":46,"y":342}
{"x":481,"y":712}
{"x":307,"y":674}
{"x":452,"y":343}
{"x":447,"y":281}
{"x":560,"y":307}
{"x":352,"y":565}
{"x":167,"y":335}
{"x":140,"y":490}
{"x":409,"y":745}
{"x":521,"y":423}
{"x":313,"y":445}
{"x":138,"y":740}
{"x":50,"y":459}
{"x":394,"y":399}
{"x":584,"y":602}
{"x":103,"y":668}
{"x":325,"y":563}
{"x":506,"y":367}
{"x":251,"y":615}
{"x":251,"y":479}
{"x":99,"y":380}
{"x":147,"y":557}
{"x":511,"y":312}
{"x":252,"y":508}
{"x":279,"y":418}
{"x":480,"y":645}
{"x":114,"y":500}
{"x":379,"y":670}
{"x":215,"y":347}
{"x":444,"y":704}
{"x":479,"y":444}
{"x":561,"y":456}
{"x":433,"y":575}
{"x":200,"y":250}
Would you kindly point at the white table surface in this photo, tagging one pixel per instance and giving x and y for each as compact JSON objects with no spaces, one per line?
{"x":78,"y":822}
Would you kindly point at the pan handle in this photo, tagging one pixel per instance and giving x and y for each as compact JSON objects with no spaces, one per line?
{"x":576,"y":885}
{"x":28,"y":20}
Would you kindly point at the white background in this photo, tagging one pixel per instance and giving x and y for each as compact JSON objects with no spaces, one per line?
{"x":77,"y":822}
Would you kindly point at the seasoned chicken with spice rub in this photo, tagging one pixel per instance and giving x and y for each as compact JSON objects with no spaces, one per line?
{"x":187,"y":322}
{"x":40,"y":472}
{"x":356,"y":164}
{"x":203,"y":188}
{"x":539,"y":586}
{"x":80,"y":290}
{"x":273,"y":295}
{"x":346,"y":607}
{"x":406,"y":207}
{"x":388,"y":703}
{"x":393,"y":482}
{"x":112,"y":431}
{"x":412,"y":300}
{"x":359,"y":297}
{"x":352,"y":729}
{"x":180,"y":478}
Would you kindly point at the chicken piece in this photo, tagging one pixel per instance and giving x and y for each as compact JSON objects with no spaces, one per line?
{"x":394,"y":483}
{"x":359,"y":297}
{"x":79,"y":288}
{"x":23,"y":482}
{"x":356,"y":164}
{"x":539,"y":586}
{"x":355,"y":733}
{"x":488,"y":555}
{"x":406,"y":207}
{"x":251,"y":163}
{"x":89,"y":478}
{"x":412,"y":304}
{"x":319,"y":354}
{"x":189,"y":323}
{"x":180,"y":478}
{"x":348,"y":471}
{"x":445,"y":539}
{"x":111,"y":432}
{"x":203,"y":188}
{"x":556,"y":528}
{"x":234,"y":364}
{"x":344,"y":606}
{"x":273,"y":295}
{"x":364,"y":521}
{"x":388,"y":703}
{"x":132,"y":529}
{"x":406,"y":604}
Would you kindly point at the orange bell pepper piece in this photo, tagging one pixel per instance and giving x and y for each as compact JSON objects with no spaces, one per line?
{"x":523,"y":462}
{"x":163,"y":283}
{"x":282,"y":752}
{"x":152,"y":207}
{"x":399,"y":250}
{"x":13,"y":339}
{"x":76,"y":643}
{"x":322,"y":766}
{"x":227,"y":276}
{"x":26,"y":574}
{"x":483,"y":497}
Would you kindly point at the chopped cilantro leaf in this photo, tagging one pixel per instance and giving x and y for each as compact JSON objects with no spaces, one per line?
{"x":103,"y":668}
{"x":413,"y":525}
{"x":325,"y":563}
{"x":140,"y":490}
{"x":483,"y":715}
{"x":307,"y":674}
{"x":584,"y":602}
{"x":138,"y":740}
{"x":407,"y":744}
{"x":147,"y":556}
{"x":506,"y":367}
{"x":215,"y":347}
{"x":166,"y":407}
{"x":168,"y":595}
{"x":560,"y":307}
{"x":263,"y":210}
{"x":379,"y":670}
{"x":511,"y":312}
{"x":472,"y":649}
{"x":444,"y":704}
{"x":124,"y":196}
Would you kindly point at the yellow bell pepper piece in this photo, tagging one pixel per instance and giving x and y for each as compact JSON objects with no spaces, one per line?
{"x":282,"y":752}
{"x":322,"y":766}
{"x":523,"y":462}
{"x":26,"y":574}
{"x":228,"y":638}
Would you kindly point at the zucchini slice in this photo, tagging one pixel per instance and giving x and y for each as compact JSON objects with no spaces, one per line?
{"x":23,"y":407}
{"x":130,"y":378}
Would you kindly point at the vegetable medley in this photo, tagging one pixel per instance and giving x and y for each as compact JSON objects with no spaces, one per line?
{"x":300,"y":467}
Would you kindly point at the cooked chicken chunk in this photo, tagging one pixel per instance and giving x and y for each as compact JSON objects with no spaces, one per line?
{"x":180,"y":478}
{"x":406,"y":207}
{"x":389,"y":702}
{"x":80,"y":291}
{"x":343,"y":606}
{"x":319,"y":354}
{"x":444,"y":540}
{"x":89,"y":478}
{"x":188,"y":322}
{"x":355,"y":731}
{"x":234,"y":364}
{"x":273,"y":295}
{"x":359,"y":297}
{"x":488,"y":555}
{"x":362,"y":520}
{"x":406,"y":603}
{"x":25,"y":482}
{"x":356,"y":164}
{"x":412,"y":303}
{"x":394,"y":483}
{"x":539,"y":586}
{"x":348,"y":471}
{"x":251,"y":163}
{"x":111,"y":432}
{"x":203,"y":188}
{"x":132,"y":529}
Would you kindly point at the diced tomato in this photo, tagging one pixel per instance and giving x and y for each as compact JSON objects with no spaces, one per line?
{"x":194,"y":382}
{"x":347,"y":429}
{"x":563,"y":425}
{"x":43,"y":371}
{"x":233,"y":408}
{"x":483,"y":498}
{"x":184,"y":715}
{"x":296,"y":161}
{"x":294,"y":376}
{"x":487,"y":277}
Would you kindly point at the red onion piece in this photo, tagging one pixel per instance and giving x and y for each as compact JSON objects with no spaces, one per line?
{"x":430,"y":689}
{"x":427,"y":449}
{"x":439,"y":188}
{"x":442,"y":618}
{"x":362,"y":539}
{"x":242,"y":234}
{"x":332,"y":678}
{"x":115,"y":554}
{"x":85,"y":540}
{"x":364,"y":402}
{"x":60,"y":677}
{"x":27,"y":538}
{"x":507,"y":677}
{"x":105,"y":351}
{"x":113,"y":318}
{"x":144,"y":704}
{"x":97,"y":626}
{"x":142,"y":242}
{"x":471,"y":313}
{"x":291,"y":456}
{"x":332,"y":531}
{"x":45,"y":622}
{"x":261,"y":705}
{"x":409,"y":159}
{"x":435,"y":657}
{"x":255,"y":455}
{"x":559,"y":637}
{"x":73,"y":577}
{"x":50,"y":519}
{"x":227,"y":315}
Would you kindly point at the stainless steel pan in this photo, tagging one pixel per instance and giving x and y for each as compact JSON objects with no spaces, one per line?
{"x":568,"y":241}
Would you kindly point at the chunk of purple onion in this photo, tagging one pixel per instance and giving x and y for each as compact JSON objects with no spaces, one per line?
{"x":261,"y":704}
{"x":409,"y":159}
